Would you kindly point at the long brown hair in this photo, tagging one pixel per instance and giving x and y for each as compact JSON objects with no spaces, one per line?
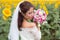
{"x":25,"y":6}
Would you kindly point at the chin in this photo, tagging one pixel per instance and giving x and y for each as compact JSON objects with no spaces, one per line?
{"x":30,"y":18}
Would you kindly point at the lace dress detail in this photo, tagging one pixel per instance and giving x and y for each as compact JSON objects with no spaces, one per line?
{"x":30,"y":34}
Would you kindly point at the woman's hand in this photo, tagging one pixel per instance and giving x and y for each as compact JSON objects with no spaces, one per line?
{"x":36,"y":24}
{"x":38,"y":28}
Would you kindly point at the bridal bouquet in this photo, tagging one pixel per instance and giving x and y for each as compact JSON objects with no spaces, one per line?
{"x":40,"y":17}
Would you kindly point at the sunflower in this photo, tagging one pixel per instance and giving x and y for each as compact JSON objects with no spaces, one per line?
{"x":6,"y":12}
{"x":8,"y":6}
{"x":44,"y":7}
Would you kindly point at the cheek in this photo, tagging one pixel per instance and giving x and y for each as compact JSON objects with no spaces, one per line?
{"x":29,"y":16}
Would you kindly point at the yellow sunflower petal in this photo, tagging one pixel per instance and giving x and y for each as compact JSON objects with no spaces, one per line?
{"x":56,"y":5}
{"x":8,"y":6}
{"x":0,"y":6}
{"x":44,"y":7}
{"x":4,"y":17}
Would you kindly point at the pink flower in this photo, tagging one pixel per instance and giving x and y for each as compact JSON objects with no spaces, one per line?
{"x":40,"y":16}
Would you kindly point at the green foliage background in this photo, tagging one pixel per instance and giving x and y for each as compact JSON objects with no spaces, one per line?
{"x":50,"y":31}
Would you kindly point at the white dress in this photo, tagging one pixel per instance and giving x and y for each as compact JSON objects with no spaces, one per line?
{"x":30,"y":34}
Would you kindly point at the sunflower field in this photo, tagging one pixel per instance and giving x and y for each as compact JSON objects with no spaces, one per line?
{"x":50,"y":31}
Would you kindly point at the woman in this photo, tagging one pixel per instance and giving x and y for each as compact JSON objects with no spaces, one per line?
{"x":21,"y":24}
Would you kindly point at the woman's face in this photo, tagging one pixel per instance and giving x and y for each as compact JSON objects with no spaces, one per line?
{"x":30,"y":13}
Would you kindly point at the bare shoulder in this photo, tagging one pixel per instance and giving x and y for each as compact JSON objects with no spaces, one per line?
{"x":29,"y":25}
{"x":33,"y":24}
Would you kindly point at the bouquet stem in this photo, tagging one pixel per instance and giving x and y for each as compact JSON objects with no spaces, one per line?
{"x":39,"y":25}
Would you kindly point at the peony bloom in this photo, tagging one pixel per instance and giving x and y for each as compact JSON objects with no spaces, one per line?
{"x":40,"y":16}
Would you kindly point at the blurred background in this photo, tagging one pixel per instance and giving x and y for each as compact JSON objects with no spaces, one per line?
{"x":50,"y":31}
